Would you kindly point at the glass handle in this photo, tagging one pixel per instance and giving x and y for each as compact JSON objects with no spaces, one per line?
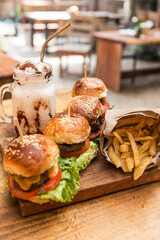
{"x":3,"y":90}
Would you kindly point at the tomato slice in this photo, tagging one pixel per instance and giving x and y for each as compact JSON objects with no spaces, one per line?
{"x":95,"y":134}
{"x":105,"y":107}
{"x":77,"y":153}
{"x":51,"y":184}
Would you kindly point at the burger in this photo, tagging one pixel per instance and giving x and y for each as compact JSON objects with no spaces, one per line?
{"x":70,"y":132}
{"x":90,"y":108}
{"x":94,"y":87}
{"x":32,"y":166}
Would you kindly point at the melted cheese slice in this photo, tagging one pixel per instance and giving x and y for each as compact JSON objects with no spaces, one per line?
{"x":52,"y":172}
{"x":26,"y":182}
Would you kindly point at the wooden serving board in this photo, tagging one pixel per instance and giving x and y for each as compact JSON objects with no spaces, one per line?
{"x":98,"y":179}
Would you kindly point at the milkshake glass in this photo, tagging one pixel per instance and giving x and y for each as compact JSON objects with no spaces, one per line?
{"x":33,"y":96}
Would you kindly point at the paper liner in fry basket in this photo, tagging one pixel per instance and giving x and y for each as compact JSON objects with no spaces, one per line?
{"x":111,"y":119}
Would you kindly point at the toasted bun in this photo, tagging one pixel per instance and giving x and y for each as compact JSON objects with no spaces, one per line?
{"x":87,"y":106}
{"x":67,"y":129}
{"x":92,"y":86}
{"x":30,"y":156}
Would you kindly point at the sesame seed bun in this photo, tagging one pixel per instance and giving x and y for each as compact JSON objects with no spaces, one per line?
{"x":30,"y":156}
{"x":87,"y":106}
{"x":67,"y":129}
{"x":91,"y":86}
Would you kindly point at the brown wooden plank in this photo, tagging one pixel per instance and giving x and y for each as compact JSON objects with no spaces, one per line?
{"x":109,"y":63}
{"x":129,"y":214}
{"x":114,"y":36}
{"x":98,"y":179}
{"x":6,"y":66}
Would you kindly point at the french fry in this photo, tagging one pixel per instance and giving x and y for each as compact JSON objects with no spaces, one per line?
{"x":145,"y":132}
{"x":140,"y":133}
{"x":116,"y":146}
{"x":126,"y":154}
{"x":144,"y":155}
{"x":134,"y":149}
{"x":114,"y":157}
{"x":139,"y":145}
{"x":136,"y":141}
{"x":128,"y":121}
{"x":145,"y":146}
{"x":134,"y":133}
{"x":116,"y":134}
{"x":123,"y":148}
{"x":152,"y":148}
{"x":127,"y":143}
{"x":121,"y":132}
{"x":130,"y":163}
{"x":123,"y":165}
{"x":138,"y":171}
{"x":140,"y":125}
{"x":150,"y":122}
{"x":145,"y":138}
{"x":157,"y":149}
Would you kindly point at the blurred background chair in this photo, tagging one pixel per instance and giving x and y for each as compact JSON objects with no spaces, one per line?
{"x":79,"y":40}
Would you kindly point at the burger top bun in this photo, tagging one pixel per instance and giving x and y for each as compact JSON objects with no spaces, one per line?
{"x":87,"y":106}
{"x":91,"y":86}
{"x":30,"y":156}
{"x":67,"y":129}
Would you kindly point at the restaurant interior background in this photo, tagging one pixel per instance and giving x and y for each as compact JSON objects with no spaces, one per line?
{"x":21,"y":38}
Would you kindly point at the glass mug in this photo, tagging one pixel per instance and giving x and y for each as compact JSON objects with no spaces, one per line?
{"x":33,"y":98}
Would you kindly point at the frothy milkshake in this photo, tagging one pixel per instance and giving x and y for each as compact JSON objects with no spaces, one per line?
{"x":33,"y":95}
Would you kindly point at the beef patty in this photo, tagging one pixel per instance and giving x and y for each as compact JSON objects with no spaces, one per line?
{"x":43,"y":180}
{"x":102,"y":100}
{"x":70,"y":147}
{"x":96,"y":126}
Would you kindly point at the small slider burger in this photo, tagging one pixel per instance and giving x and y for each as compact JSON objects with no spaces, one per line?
{"x":94,"y":87}
{"x":90,"y":108}
{"x":32,"y":165}
{"x":70,"y":132}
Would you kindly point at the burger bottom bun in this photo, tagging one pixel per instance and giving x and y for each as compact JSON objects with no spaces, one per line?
{"x":36,"y":199}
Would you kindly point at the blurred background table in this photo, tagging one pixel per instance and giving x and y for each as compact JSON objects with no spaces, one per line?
{"x":110,"y":52}
{"x":101,"y":17}
{"x":63,"y":5}
{"x":33,"y":5}
{"x":46,"y":17}
{"x":6,"y":68}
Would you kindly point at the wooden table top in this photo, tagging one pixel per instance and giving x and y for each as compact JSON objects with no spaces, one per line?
{"x":153,"y":36}
{"x":37,"y":4}
{"x":130,"y":214}
{"x":45,"y":16}
{"x":6,"y":65}
{"x":101,"y":14}
{"x":65,"y":4}
{"x":43,"y":4}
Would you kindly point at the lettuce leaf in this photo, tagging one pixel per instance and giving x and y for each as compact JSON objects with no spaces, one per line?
{"x":69,"y":183}
{"x":97,"y":141}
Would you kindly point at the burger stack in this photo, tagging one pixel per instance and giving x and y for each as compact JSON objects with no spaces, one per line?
{"x":32,"y":162}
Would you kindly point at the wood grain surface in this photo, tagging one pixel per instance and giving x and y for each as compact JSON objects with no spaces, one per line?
{"x":109,"y":63}
{"x":152,"y":37}
{"x":129,"y":214}
{"x":98,"y":179}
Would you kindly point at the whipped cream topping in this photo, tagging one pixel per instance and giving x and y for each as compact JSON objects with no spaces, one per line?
{"x":32,"y":71}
